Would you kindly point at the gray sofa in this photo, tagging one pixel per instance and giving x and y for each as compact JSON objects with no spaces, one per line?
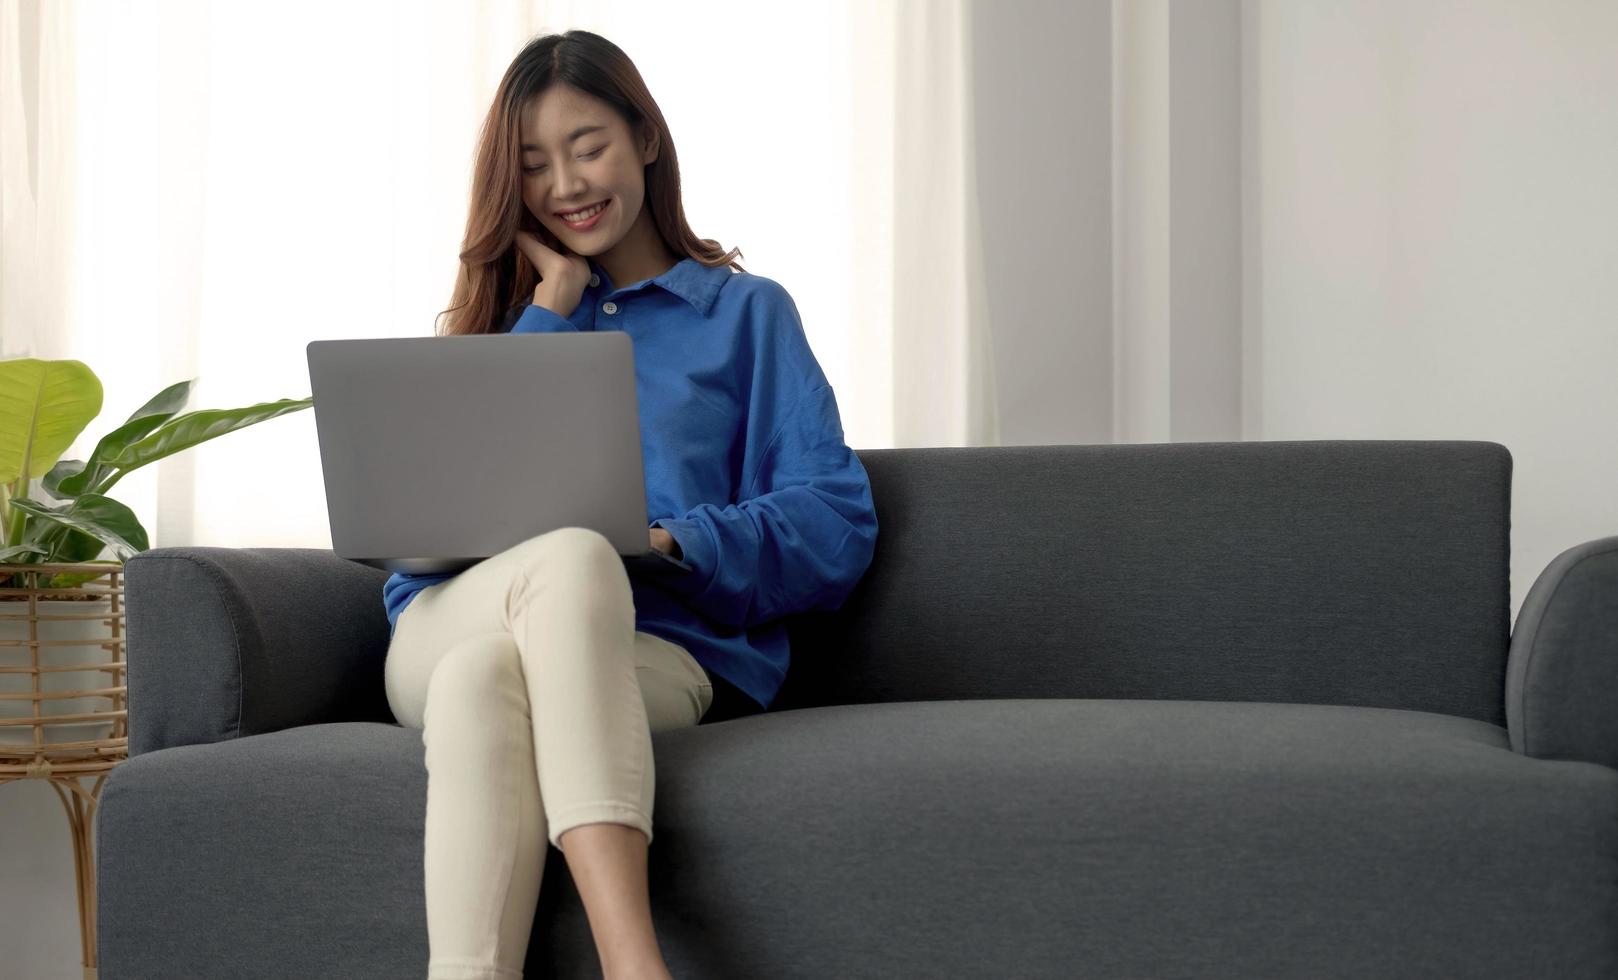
{"x":1174,"y":710}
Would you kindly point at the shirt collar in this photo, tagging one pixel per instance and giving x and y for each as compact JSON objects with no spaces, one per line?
{"x":688,"y":279}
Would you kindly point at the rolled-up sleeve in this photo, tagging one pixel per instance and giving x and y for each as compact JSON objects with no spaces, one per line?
{"x":800,"y":544}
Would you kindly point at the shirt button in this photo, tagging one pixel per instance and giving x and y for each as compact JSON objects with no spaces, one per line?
{"x":609,"y":307}
{"x":595,"y":280}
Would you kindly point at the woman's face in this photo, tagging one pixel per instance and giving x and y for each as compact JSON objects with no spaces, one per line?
{"x":577,"y":153}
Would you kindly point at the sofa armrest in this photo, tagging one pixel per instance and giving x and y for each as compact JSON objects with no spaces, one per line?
{"x":226,"y":642}
{"x":1562,"y":670}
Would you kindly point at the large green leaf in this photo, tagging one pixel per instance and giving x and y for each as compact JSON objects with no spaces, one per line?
{"x":192,"y":428}
{"x":97,"y":515}
{"x":52,"y":481}
{"x":62,"y":542}
{"x":49,"y":541}
{"x":70,"y":478}
{"x":44,"y":405}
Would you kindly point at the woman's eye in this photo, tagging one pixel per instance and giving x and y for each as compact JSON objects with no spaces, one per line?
{"x":593,"y":153}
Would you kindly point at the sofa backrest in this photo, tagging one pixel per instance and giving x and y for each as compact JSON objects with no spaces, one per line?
{"x":1370,"y":573}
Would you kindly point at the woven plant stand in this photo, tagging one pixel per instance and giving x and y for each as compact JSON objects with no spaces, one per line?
{"x":62,"y":710}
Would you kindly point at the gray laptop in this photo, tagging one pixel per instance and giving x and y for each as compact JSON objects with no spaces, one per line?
{"x":438,"y":452}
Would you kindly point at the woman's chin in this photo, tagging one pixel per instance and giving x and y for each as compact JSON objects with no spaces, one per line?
{"x":587,"y":249}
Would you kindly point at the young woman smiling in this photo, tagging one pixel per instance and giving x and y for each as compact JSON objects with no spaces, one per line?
{"x":538,"y":676}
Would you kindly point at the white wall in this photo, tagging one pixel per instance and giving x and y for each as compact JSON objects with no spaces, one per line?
{"x":1043,"y":105}
{"x":1410,"y":207}
{"x":1177,"y":228}
{"x":1437,"y":232}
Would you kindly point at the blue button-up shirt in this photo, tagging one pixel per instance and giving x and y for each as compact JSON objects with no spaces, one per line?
{"x":745,"y":465}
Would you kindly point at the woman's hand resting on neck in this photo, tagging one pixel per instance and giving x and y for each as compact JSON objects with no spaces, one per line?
{"x":562,"y":275}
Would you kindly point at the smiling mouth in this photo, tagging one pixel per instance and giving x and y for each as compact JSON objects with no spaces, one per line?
{"x":563,"y":214}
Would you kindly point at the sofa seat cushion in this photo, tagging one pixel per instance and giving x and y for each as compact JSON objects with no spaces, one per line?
{"x":1139,"y":838}
{"x":1162,"y":838}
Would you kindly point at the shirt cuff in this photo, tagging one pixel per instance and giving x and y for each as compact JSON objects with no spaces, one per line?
{"x":540,"y":319}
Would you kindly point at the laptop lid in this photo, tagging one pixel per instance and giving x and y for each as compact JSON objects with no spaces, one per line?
{"x":438,"y":452}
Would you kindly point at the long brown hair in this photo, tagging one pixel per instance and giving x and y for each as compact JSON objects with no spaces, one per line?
{"x":494,"y":275}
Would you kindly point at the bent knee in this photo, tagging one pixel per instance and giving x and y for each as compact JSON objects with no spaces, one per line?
{"x":571,"y":545}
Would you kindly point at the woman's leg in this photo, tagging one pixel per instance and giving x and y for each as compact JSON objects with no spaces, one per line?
{"x":485,"y":834}
{"x":551,"y":618}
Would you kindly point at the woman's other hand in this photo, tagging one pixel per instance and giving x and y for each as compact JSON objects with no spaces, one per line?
{"x":664,"y":541}
{"x":562,"y":275}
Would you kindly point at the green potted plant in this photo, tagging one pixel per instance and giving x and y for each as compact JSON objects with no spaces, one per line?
{"x":44,"y":405}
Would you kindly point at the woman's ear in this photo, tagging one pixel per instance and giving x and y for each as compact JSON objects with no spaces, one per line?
{"x":650,"y":142}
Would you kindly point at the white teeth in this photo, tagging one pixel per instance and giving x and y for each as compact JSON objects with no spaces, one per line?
{"x":583,"y":215}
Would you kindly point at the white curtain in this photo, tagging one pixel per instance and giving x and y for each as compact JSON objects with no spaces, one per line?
{"x":197,"y":190}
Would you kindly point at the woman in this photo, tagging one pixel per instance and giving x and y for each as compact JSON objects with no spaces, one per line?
{"x":538,"y":675}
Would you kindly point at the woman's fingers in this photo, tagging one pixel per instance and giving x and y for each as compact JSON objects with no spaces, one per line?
{"x":563,"y":274}
{"x":539,"y":255}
